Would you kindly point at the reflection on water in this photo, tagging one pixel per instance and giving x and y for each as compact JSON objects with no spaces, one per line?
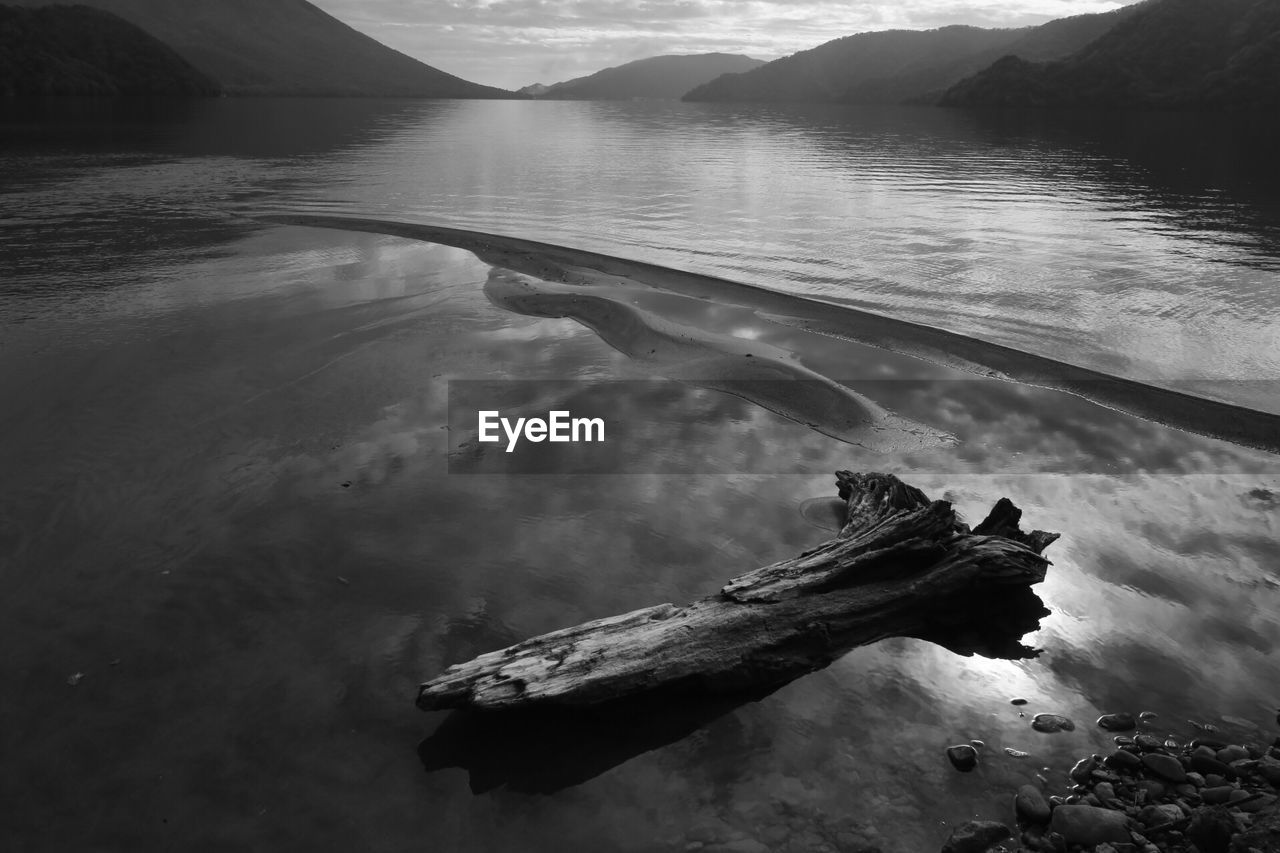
{"x":227,"y":504}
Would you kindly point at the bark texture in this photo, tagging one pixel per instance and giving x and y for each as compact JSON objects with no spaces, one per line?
{"x":902,"y":565}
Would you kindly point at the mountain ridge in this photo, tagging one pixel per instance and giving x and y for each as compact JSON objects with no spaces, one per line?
{"x":284,"y":47}
{"x":78,"y":50}
{"x":895,"y":66}
{"x":1172,"y":54}
{"x":665,"y":77}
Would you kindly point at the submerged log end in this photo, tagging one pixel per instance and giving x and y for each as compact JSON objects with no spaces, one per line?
{"x":1003,"y":521}
{"x":869,"y":498}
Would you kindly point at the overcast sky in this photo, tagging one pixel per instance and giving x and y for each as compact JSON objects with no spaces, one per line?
{"x":512,"y":43}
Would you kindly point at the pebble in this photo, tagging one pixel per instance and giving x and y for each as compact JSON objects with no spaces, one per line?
{"x":1050,"y":723}
{"x":977,"y":744}
{"x":1124,"y":760}
{"x":1122,"y":722}
{"x":1156,"y":815}
{"x":1264,"y":802}
{"x":976,"y":836}
{"x":1210,"y":767}
{"x":1154,"y":790}
{"x":1148,"y":743}
{"x":1085,"y":766}
{"x":1243,"y":767}
{"x":1165,"y":766}
{"x":1156,"y":794}
{"x":1015,"y":753}
{"x":1089,"y":825}
{"x":962,"y":757}
{"x":1030,"y":805}
{"x":1217,"y":794}
{"x":1146,"y":716}
{"x":1269,"y":769}
{"x":1017,"y":701}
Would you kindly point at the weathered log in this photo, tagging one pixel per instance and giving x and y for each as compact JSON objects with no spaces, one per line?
{"x":902,"y":565}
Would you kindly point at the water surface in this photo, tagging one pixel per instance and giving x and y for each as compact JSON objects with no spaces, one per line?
{"x":229,"y":505}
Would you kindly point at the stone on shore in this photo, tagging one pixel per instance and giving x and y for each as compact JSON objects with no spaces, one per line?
{"x":1124,"y":761}
{"x":976,"y":836}
{"x":1031,"y":806}
{"x":1165,"y":766}
{"x":1089,"y":825}
{"x":1159,"y":814}
{"x":1262,"y":837}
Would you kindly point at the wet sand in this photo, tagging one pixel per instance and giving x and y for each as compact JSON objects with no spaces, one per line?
{"x":1166,"y":406}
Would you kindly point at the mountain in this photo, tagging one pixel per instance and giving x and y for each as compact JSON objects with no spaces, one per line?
{"x":902,"y":65}
{"x":75,"y":50}
{"x":663,"y":77}
{"x":1173,"y":53}
{"x":283,"y":47}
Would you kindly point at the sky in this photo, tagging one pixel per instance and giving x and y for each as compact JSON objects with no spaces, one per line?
{"x":513,"y":43}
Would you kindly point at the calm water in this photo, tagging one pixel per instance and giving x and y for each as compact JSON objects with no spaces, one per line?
{"x":231,"y":519}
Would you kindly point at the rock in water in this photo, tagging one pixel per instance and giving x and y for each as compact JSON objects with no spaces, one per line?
{"x":963,"y":757}
{"x":976,"y":836}
{"x":1123,"y":722}
{"x":1031,"y":806}
{"x":1050,"y":723}
{"x":1089,"y":825}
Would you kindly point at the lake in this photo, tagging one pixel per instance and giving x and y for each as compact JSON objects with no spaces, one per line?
{"x":245,"y":513}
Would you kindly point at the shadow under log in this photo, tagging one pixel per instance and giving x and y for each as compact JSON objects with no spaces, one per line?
{"x":561,"y":708}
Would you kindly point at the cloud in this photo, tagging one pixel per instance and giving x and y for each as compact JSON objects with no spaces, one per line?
{"x":512,"y":43}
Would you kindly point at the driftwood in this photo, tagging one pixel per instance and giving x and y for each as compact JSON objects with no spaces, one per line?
{"x":902,"y":565}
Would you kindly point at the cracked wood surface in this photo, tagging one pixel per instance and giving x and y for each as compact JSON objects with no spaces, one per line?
{"x":901,"y":565}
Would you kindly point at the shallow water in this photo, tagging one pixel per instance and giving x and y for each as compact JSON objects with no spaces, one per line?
{"x":235,"y":506}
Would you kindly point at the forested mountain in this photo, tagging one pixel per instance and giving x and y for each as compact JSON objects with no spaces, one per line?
{"x":76,"y":50}
{"x":1172,"y":53}
{"x":902,"y":65}
{"x":655,"y":77}
{"x":283,"y":47}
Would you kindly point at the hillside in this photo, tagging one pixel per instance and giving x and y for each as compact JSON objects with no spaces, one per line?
{"x":75,"y":50}
{"x":903,"y":65}
{"x":1172,"y":54}
{"x":929,"y":79}
{"x":284,"y":47}
{"x":663,"y":77}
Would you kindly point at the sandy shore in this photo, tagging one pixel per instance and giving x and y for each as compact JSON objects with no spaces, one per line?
{"x":553,"y":263}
